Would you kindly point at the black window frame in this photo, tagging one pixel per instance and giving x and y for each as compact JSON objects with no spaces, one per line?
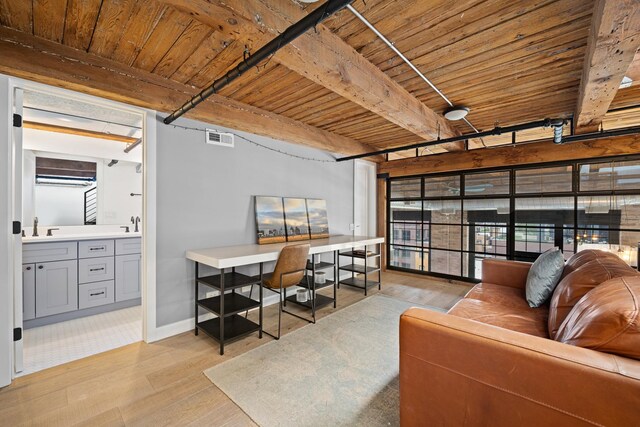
{"x":512,"y":195}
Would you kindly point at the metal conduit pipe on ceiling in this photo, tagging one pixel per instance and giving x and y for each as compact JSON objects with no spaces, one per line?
{"x":291,"y":33}
{"x":555,"y":123}
{"x":405,"y":59}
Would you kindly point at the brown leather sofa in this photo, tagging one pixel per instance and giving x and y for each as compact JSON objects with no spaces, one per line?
{"x":491,"y":360}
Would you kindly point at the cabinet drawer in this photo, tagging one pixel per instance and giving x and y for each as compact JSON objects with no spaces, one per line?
{"x":95,"y":248}
{"x":128,"y":246}
{"x":94,"y":294}
{"x":45,"y":252}
{"x":95,"y":269}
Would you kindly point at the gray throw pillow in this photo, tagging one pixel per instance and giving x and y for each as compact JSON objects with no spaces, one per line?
{"x":544,"y":277}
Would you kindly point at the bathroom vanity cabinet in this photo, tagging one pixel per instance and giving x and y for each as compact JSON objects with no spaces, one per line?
{"x":63,"y":280}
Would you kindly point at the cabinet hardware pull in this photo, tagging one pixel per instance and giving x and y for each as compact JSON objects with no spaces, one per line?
{"x":99,"y":248}
{"x":40,"y":267}
{"x":28,"y":268}
{"x":96,"y":269}
{"x":96,"y":294}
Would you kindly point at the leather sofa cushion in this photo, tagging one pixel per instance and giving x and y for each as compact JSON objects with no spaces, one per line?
{"x":498,"y":294}
{"x":575,"y":285}
{"x":606,"y":319}
{"x":579,"y":259}
{"x":531,"y":321}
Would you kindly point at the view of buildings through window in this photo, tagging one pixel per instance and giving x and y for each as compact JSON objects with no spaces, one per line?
{"x":447,"y":224}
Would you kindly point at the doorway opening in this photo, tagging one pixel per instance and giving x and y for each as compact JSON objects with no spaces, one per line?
{"x":80,"y":181}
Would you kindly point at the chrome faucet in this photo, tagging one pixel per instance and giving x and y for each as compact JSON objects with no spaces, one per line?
{"x":35,"y":227}
{"x":137,"y":222}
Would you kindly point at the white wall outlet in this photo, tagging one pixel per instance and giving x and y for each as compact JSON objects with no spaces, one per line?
{"x":352,"y":227}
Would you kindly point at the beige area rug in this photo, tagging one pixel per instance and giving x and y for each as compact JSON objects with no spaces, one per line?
{"x":342,"y":371}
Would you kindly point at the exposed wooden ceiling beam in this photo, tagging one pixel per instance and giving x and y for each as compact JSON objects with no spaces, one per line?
{"x":614,"y":38}
{"x":325,"y":59}
{"x":81,"y":132}
{"x":513,"y":155}
{"x":47,"y":62}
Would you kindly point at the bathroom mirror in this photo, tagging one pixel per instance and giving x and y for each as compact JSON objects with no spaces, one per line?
{"x":64,"y":190}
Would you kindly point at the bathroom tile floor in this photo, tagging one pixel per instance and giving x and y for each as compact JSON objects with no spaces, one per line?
{"x":63,"y":342}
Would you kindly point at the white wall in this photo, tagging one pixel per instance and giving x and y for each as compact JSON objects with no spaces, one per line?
{"x":115,"y":185}
{"x":205,"y":199}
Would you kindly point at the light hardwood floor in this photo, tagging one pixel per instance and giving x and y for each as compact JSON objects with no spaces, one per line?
{"x":162,"y":383}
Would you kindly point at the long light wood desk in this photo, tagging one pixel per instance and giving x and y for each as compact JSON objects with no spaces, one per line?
{"x":229,"y":325}
{"x":236,"y":256}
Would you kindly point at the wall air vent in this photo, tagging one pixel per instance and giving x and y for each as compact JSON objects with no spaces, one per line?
{"x":219,"y":138}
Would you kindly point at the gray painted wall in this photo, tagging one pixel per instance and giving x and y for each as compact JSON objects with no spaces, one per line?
{"x":205,"y":199}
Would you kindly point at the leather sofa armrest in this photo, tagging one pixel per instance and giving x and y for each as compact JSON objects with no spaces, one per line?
{"x":505,"y":273}
{"x":456,"y":371}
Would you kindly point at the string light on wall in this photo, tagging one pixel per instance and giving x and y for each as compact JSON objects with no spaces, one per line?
{"x":266,"y":147}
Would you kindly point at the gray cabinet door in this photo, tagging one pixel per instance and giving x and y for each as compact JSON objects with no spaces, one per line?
{"x":56,"y":287}
{"x":128,"y":277}
{"x":28,"y":291}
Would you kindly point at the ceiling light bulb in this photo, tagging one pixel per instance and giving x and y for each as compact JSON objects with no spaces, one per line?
{"x":626,"y":82}
{"x":456,"y":113}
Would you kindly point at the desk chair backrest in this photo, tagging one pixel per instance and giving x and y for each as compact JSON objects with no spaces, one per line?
{"x":291,"y":264}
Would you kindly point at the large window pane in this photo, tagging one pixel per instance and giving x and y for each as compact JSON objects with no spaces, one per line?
{"x":442,"y":186}
{"x":486,"y":210}
{"x":446,"y":236}
{"x":622,"y":243}
{"x":406,"y":211}
{"x":404,"y":257}
{"x":555,"y":211}
{"x":609,"y":211}
{"x":544,"y":180}
{"x":534,"y":239}
{"x":406,"y":188}
{"x":445,"y":262}
{"x":443,"y":211}
{"x":610,"y":176}
{"x":486,"y":183}
{"x":486,"y":238}
{"x":409,"y":234}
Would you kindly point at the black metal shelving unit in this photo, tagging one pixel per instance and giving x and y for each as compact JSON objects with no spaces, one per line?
{"x":229,"y":325}
{"x":316,"y":300}
{"x":367,"y":269}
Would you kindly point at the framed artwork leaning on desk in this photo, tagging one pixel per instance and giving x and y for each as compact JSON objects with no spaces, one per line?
{"x":290,"y":219}
{"x":296,"y":219}
{"x":318,"y":223}
{"x":270,"y":220}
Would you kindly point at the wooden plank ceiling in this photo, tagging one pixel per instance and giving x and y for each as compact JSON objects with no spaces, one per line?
{"x":510,"y":62}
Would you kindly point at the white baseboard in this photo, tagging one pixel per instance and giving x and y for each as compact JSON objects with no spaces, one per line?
{"x":182,"y":326}
{"x":186,"y":325}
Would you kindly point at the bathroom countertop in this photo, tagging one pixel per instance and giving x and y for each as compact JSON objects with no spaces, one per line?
{"x":80,"y":236}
